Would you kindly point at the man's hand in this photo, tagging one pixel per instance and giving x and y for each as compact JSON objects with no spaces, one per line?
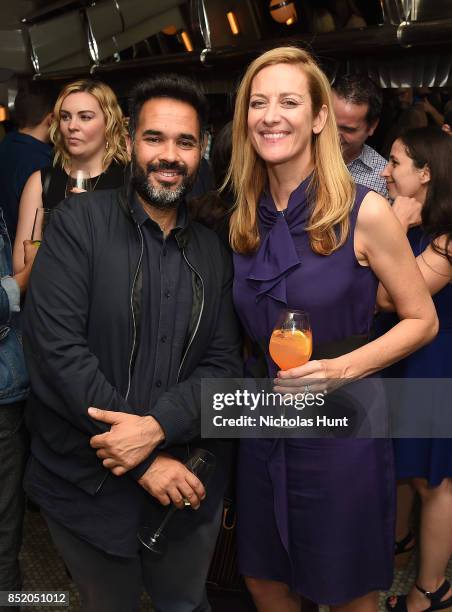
{"x":169,"y":481}
{"x":22,"y":277}
{"x":130,"y":440}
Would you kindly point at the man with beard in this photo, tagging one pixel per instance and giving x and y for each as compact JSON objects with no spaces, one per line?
{"x":128,"y":309}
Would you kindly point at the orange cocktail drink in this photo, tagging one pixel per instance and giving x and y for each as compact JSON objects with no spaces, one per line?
{"x":290,"y":348}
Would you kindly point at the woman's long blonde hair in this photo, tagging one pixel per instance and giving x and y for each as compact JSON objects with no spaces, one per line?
{"x":331,"y":186}
{"x":115,"y":132}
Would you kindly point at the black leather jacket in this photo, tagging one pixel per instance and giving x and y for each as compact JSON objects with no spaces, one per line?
{"x":81,"y":326}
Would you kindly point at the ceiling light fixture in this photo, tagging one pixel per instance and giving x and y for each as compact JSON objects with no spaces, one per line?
{"x":183,"y":36}
{"x":283,"y":11}
{"x":186,"y":40}
{"x":233,"y":23}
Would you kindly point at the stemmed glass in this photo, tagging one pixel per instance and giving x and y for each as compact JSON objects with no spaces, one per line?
{"x":79,"y":180}
{"x":291,"y":341}
{"x":202,"y":463}
{"x":42,"y":218}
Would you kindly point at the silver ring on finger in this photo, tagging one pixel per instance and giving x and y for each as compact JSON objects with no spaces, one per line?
{"x":307,"y":388}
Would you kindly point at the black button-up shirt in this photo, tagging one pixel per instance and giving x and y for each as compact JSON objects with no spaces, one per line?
{"x":166,"y":302}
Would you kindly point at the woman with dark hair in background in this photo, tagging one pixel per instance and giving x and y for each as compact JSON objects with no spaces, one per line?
{"x":419,"y":179}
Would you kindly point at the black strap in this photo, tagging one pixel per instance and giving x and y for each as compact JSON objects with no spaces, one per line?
{"x":46,"y":175}
{"x":402,"y":545}
{"x":331,"y":350}
{"x":437,"y":595}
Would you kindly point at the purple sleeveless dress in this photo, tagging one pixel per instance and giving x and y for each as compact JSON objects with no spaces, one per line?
{"x":317,"y":514}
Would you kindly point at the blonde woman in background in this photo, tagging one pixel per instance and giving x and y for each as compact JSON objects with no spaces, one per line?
{"x":89,"y":135}
{"x":315,"y":516}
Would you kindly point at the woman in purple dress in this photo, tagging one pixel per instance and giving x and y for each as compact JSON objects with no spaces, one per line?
{"x":316,"y":516}
{"x":420,"y":182}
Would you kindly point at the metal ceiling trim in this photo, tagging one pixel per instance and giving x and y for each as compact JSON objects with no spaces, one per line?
{"x":373,"y":42}
{"x":423,"y":33}
{"x":32,"y":50}
{"x":393,"y":11}
{"x":120,"y":14}
{"x":200,"y":22}
{"x":92,"y":42}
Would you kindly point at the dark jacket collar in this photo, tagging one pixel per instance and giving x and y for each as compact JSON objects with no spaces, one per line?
{"x":126,"y":197}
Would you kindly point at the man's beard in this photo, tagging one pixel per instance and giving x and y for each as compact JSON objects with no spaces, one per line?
{"x":161,"y":197}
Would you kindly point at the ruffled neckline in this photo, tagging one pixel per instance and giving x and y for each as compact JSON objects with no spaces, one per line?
{"x":277,"y":255}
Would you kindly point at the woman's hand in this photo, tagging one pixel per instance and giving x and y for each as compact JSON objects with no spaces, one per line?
{"x":319,"y":375}
{"x":30,"y":200}
{"x":76,"y":190}
{"x":23,"y":276}
{"x":408,"y":211}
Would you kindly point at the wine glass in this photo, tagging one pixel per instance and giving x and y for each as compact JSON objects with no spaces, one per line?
{"x":78,"y":180}
{"x":291,"y":341}
{"x":42,"y":218}
{"x":202,"y":463}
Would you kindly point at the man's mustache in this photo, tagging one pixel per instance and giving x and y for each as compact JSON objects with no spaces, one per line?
{"x":176,"y":166}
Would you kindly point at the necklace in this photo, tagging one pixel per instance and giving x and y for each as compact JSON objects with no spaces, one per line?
{"x":97,"y":180}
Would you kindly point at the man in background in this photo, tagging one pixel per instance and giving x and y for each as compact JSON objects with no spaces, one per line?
{"x":357,"y":104}
{"x":27,"y":150}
